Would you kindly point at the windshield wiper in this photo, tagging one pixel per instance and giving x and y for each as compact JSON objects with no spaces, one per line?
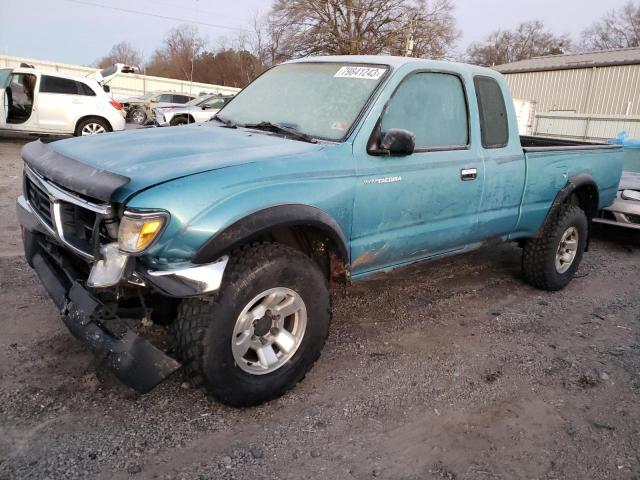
{"x":287,"y":131}
{"x":227,"y":123}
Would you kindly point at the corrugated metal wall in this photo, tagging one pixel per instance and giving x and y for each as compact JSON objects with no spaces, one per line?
{"x":124,"y":85}
{"x":599,"y":90}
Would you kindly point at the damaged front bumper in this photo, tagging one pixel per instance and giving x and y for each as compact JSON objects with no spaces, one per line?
{"x":133,"y":359}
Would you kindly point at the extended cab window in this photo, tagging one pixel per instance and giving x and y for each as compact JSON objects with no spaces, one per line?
{"x":50,"y":84}
{"x":433,"y":107}
{"x":493,"y":113}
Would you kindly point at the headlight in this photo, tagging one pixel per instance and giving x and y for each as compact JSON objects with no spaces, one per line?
{"x":631,"y":195}
{"x":138,"y":230}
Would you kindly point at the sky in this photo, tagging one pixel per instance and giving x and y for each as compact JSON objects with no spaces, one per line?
{"x":81,"y":32}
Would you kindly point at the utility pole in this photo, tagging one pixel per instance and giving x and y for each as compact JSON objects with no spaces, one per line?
{"x":408,"y":51}
{"x":193,"y":54}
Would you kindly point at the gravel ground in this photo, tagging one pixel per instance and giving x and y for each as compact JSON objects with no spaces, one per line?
{"x":449,"y":370}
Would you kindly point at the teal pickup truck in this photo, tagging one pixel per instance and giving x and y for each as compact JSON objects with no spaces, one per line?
{"x":321,"y":172}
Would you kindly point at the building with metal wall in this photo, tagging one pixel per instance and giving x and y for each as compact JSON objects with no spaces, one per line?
{"x":586,"y":95}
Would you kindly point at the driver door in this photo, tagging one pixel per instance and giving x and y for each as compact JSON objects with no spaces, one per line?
{"x":423,"y":205}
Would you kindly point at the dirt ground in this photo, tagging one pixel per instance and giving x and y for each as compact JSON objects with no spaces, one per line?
{"x":449,"y":370}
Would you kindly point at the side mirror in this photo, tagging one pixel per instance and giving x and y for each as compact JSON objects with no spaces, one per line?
{"x":398,"y":141}
{"x":106,"y":88}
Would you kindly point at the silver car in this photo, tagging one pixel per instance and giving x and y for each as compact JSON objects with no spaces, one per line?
{"x":200,"y":109}
{"x":625,"y":211}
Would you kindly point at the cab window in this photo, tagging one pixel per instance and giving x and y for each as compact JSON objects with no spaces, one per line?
{"x":494,"y":126}
{"x":433,"y":106}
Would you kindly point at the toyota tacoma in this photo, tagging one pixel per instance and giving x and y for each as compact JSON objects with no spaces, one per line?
{"x":323,"y":171}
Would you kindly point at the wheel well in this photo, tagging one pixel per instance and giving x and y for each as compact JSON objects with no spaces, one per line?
{"x":315,"y":243}
{"x":186,"y":116}
{"x":87,"y":117}
{"x":585,"y":197}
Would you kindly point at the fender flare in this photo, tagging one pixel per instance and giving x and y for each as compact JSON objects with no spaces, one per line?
{"x":258,"y":223}
{"x":574,"y":183}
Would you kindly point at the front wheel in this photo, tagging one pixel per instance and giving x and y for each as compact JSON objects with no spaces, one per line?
{"x":92,"y":126}
{"x":550,"y":261}
{"x":264,"y":329}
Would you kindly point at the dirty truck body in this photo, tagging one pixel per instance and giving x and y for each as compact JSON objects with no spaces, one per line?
{"x":232,"y":232}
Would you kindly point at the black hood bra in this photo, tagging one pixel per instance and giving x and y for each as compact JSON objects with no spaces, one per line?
{"x":75,"y":176}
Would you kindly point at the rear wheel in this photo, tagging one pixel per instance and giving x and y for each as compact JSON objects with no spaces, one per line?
{"x":550,"y":261}
{"x":262,"y":332}
{"x":137,"y":115}
{"x":92,"y":126}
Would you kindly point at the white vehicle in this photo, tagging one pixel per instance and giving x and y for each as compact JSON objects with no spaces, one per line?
{"x":197,"y":110}
{"x":40,"y":102}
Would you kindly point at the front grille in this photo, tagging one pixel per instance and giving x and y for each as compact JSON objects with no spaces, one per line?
{"x":77,"y":224}
{"x":40,"y":202}
{"x":72,"y":218}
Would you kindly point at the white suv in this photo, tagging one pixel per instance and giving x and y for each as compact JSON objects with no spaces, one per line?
{"x":53,"y":103}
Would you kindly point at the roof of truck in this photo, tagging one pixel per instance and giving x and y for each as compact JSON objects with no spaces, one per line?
{"x":393,"y":61}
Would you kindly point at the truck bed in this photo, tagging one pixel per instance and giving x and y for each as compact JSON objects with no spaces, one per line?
{"x":542,"y":144}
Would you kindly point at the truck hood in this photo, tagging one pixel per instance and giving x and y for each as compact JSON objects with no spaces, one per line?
{"x":146,"y":157}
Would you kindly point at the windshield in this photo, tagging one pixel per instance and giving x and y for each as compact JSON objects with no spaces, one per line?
{"x":199,"y":100}
{"x":322,"y":100}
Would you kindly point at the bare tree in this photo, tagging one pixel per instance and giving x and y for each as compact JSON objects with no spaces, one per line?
{"x":617,"y":29}
{"x":296,"y":28}
{"x":177,"y":56}
{"x":234,"y":68}
{"x":529,"y":39}
{"x":264,"y":39}
{"x":122,"y":52}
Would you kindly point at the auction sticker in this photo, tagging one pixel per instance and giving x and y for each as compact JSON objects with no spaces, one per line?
{"x":368,"y":73}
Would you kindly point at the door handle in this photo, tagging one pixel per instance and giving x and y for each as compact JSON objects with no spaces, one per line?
{"x":467,"y":174}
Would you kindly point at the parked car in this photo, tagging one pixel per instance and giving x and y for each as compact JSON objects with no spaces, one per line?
{"x":625,"y":211}
{"x":139,"y":109}
{"x":197,"y":110}
{"x":53,"y":103}
{"x":235,"y":230}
